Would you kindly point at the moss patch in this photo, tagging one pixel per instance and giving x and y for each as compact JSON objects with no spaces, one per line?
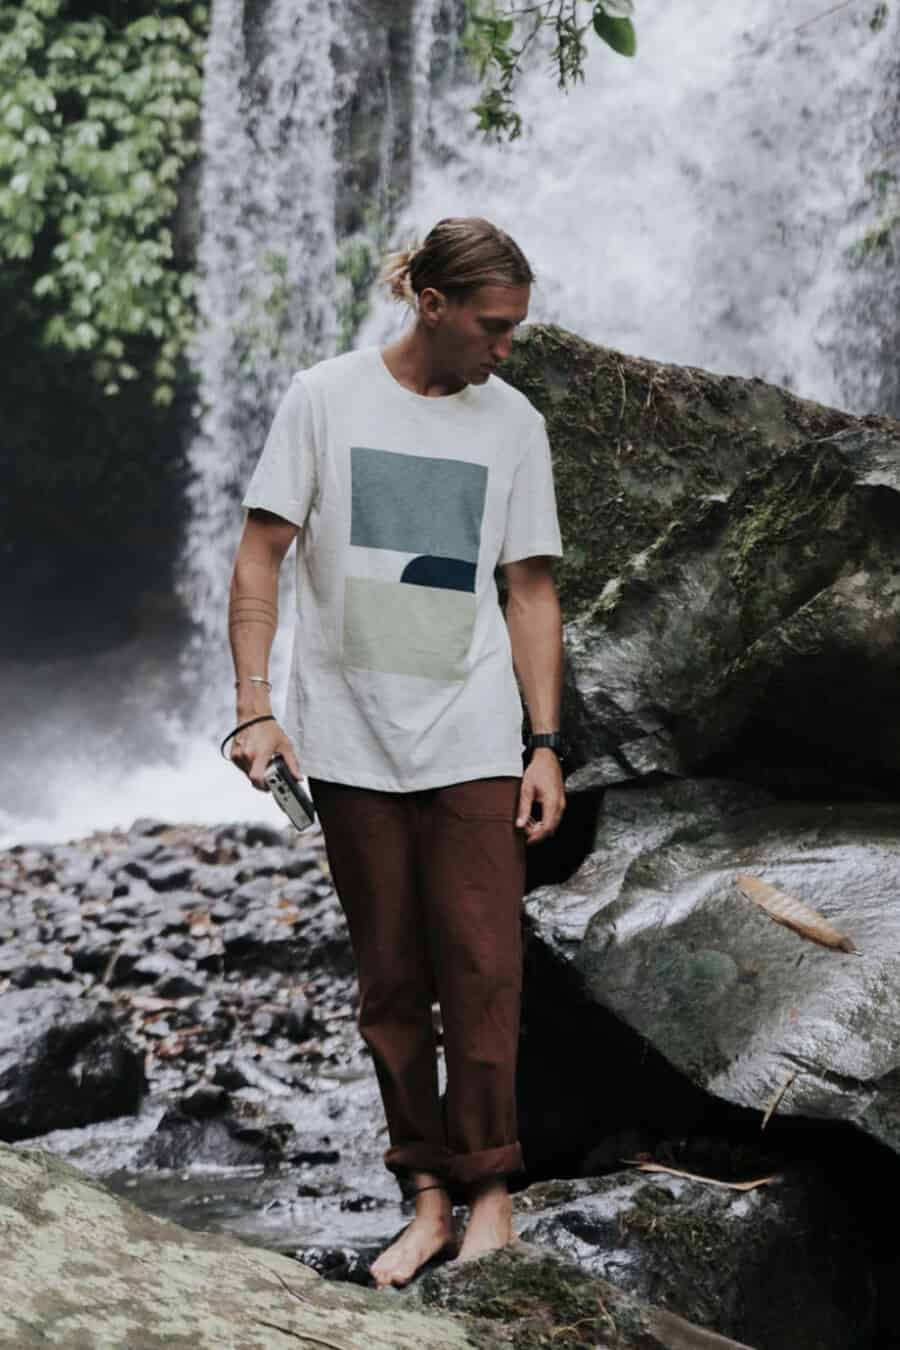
{"x":535,"y":1303}
{"x":638,"y":444}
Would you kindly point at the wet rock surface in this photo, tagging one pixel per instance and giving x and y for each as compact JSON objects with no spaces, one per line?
{"x":706,"y":1252}
{"x":658,"y":933}
{"x":81,"y":1267}
{"x":527,"y":1297}
{"x":62,"y":1063}
{"x":84,"y":1267}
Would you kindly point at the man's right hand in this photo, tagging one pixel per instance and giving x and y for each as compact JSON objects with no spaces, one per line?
{"x":252,"y":750}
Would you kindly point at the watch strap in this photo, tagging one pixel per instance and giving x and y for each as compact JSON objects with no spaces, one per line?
{"x":552,"y":740}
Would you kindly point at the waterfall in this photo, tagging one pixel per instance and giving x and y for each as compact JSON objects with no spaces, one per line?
{"x":266,"y":258}
{"x":706,"y":203}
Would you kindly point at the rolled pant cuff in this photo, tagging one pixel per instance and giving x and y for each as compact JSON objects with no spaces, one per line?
{"x":418,"y":1157}
{"x":490,"y":1162}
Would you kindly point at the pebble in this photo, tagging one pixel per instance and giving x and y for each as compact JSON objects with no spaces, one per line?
{"x":298,"y":1019}
{"x":170,"y":876}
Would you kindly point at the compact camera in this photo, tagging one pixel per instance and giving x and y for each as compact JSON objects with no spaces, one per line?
{"x":296,"y":804}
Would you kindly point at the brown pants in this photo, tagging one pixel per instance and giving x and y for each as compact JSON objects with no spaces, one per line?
{"x":431,"y":883}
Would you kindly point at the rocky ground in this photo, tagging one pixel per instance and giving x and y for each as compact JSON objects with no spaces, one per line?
{"x":179,"y":1004}
{"x":177,"y":1016}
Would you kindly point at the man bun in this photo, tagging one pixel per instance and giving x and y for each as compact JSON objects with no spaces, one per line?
{"x":458,"y":256}
{"x":395,"y":274}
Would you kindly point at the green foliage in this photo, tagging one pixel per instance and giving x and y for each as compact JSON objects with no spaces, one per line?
{"x":262,"y":336}
{"x":357,"y":268}
{"x":881,"y":239}
{"x":498,"y":36}
{"x":617,"y":33}
{"x":879,"y":18}
{"x":97,"y":123}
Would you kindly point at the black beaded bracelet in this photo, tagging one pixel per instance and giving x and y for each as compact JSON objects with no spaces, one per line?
{"x":242,"y":726}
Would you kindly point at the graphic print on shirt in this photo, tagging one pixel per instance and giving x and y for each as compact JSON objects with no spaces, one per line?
{"x":415,"y":530}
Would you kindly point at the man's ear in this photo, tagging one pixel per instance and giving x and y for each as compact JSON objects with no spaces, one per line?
{"x":432,"y":304}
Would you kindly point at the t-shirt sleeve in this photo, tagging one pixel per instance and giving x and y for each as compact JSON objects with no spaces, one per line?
{"x":532,"y":527}
{"x":284,"y":480}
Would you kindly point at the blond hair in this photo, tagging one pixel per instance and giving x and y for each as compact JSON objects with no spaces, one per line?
{"x":460,"y":254}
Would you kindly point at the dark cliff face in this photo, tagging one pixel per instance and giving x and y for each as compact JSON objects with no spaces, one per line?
{"x":93,"y":507}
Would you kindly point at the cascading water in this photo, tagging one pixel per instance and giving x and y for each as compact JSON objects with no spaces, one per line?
{"x":266,"y":256}
{"x":707,"y":203}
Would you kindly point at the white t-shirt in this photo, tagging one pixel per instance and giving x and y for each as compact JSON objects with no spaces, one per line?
{"x":402,"y":672}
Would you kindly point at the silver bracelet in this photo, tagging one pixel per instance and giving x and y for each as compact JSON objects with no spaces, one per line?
{"x":255,"y":679}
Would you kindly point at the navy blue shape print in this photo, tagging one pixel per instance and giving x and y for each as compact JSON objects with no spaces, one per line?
{"x":445,"y":574}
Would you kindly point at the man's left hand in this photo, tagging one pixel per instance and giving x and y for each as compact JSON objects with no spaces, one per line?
{"x":542,"y":782}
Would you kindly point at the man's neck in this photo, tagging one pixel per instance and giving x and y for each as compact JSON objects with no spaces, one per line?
{"x":411,"y":362}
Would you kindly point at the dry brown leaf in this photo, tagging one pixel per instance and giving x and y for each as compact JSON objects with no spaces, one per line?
{"x":775,"y":1099}
{"x":707,"y":1181}
{"x":793,"y":913}
{"x":151,"y":1003}
{"x":173,"y":1047}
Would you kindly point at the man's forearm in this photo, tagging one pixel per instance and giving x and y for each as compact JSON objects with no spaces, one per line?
{"x":252,"y":621}
{"x":535,"y":631}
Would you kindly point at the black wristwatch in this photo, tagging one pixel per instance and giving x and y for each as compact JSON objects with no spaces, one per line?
{"x":551,"y":740}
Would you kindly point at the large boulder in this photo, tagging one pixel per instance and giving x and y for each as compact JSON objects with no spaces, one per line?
{"x":730,"y":575}
{"x":707,"y":1252}
{"x":638,"y":444}
{"x":533,"y":1297}
{"x":748,"y":1009}
{"x":82,"y":1268}
{"x":761,"y":632}
{"x":62,"y":1063}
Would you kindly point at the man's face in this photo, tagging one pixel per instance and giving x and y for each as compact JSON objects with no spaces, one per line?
{"x":473,"y":336}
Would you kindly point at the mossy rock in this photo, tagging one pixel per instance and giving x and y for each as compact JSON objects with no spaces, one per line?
{"x":757,"y":635}
{"x":534,"y":1300}
{"x":638,"y":444}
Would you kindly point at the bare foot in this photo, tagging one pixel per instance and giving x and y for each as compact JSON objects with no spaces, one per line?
{"x":490,"y":1220}
{"x":432,"y":1231}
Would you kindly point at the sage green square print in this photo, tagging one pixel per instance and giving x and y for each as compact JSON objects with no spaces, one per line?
{"x":407,"y":630}
{"x":416,"y":503}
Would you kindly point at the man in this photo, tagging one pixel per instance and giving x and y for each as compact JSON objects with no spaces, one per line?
{"x":407,"y":475}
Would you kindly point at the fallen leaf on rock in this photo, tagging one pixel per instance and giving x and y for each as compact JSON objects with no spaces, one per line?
{"x":151,"y":1003}
{"x":694,"y":1176}
{"x":775,"y":1099}
{"x":793,"y":913}
{"x":172,"y":1048}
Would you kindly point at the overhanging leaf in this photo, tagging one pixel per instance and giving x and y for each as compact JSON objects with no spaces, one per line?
{"x":616,"y":33}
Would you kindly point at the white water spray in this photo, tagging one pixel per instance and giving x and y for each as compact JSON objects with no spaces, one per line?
{"x":701,"y":204}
